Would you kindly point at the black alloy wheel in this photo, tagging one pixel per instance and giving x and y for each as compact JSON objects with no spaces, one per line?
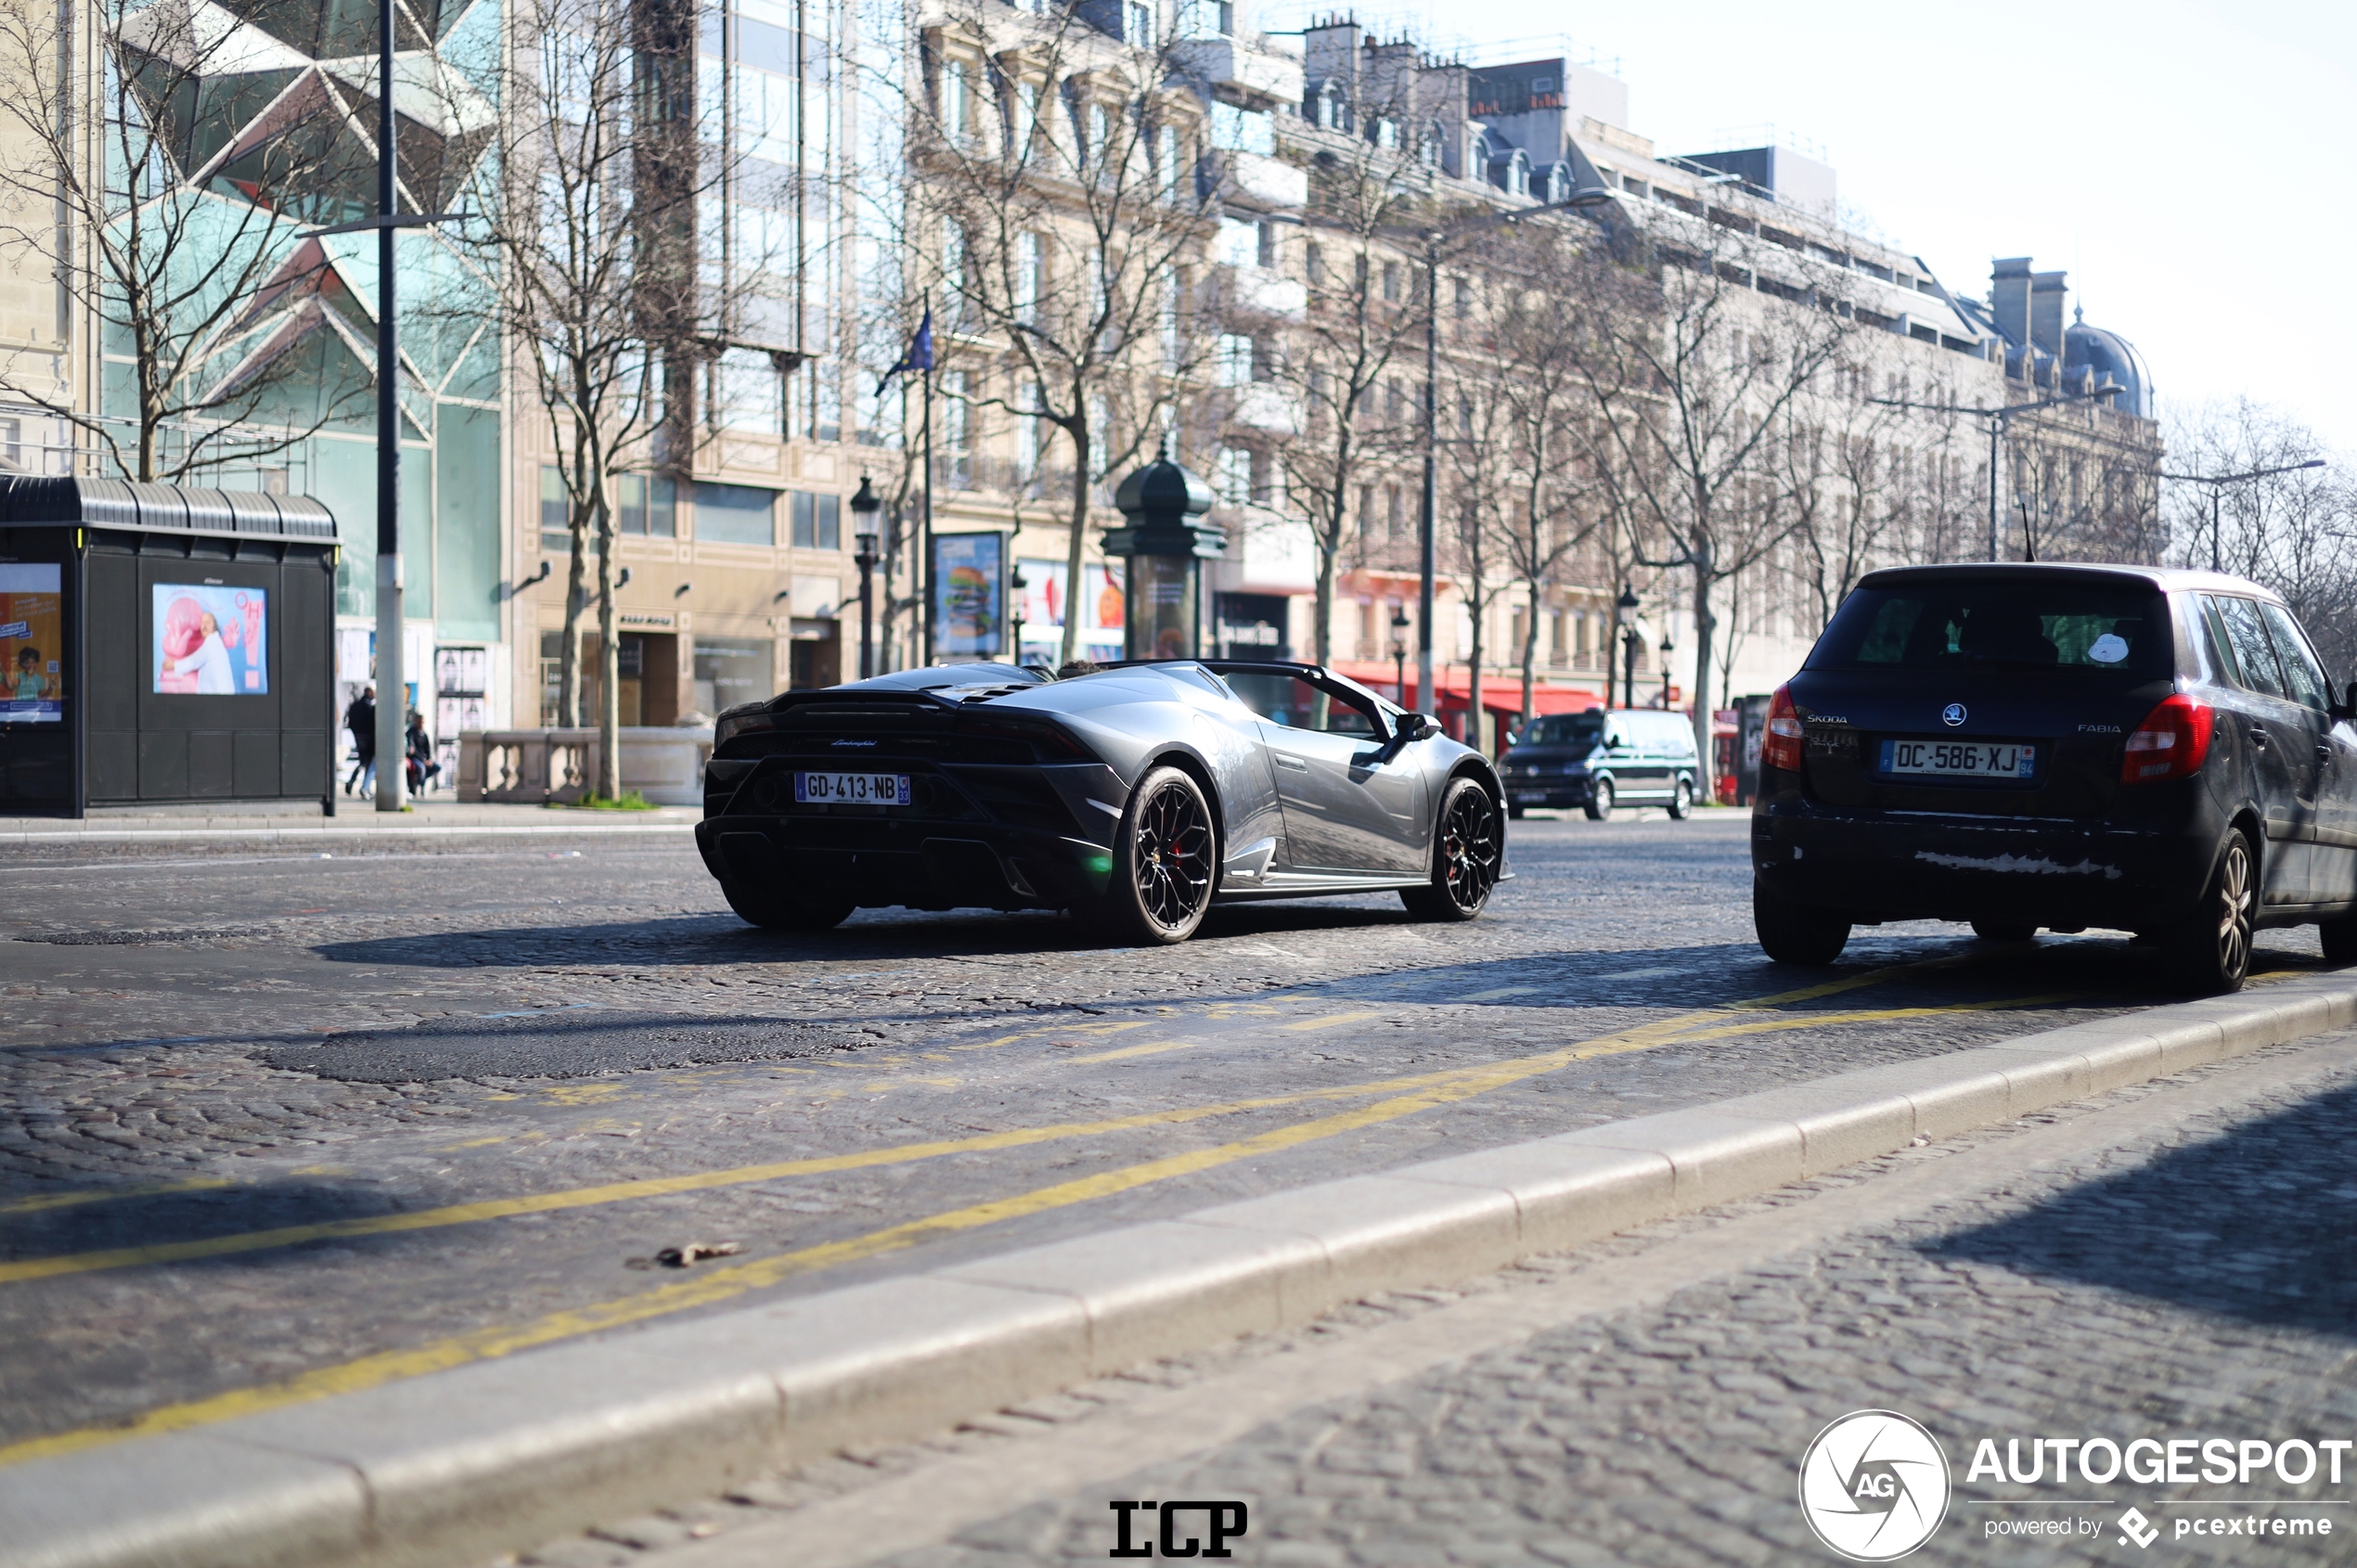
{"x":2209,"y":951}
{"x":1468,"y":851}
{"x":1795,"y":933}
{"x":1599,"y":806}
{"x":1682,"y":801}
{"x":1165,"y":860}
{"x":777,"y":911}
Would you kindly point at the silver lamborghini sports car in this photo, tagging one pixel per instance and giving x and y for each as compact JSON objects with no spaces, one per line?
{"x":1142,"y":792}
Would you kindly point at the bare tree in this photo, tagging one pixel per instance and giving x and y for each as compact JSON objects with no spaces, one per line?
{"x":167,"y":212}
{"x":1477,"y":554}
{"x":1366,"y":312}
{"x":1695,"y":365}
{"x":1060,"y":188}
{"x":2295,"y":532}
{"x":1849,"y":471}
{"x":589,"y":217}
{"x":1545,"y":445}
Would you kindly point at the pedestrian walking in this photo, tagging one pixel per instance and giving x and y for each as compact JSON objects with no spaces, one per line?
{"x":361,"y":720}
{"x":421,"y":763}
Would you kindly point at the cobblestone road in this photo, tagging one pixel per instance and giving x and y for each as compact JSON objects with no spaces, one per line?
{"x":2170,"y":1260}
{"x":265,"y":1114}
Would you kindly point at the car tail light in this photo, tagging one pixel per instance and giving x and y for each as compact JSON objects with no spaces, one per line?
{"x":1781,"y":746}
{"x":2172,"y":742}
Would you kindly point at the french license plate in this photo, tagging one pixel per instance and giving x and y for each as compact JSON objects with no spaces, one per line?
{"x":1530,"y":797}
{"x":851,"y":788}
{"x":1960,"y":759}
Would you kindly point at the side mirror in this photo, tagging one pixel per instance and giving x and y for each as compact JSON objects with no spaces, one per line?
{"x":1417,"y":727}
{"x":2346,"y":710}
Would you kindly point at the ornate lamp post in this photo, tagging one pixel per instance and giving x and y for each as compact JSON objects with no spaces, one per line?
{"x":1667,"y":647}
{"x":1163,"y":546}
{"x":1400,"y":625}
{"x":1626,"y":636}
{"x":1016,"y":583}
{"x":864,"y":508}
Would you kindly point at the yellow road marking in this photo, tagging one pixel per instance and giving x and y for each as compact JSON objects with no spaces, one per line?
{"x":1127,"y":1051}
{"x":42,"y":1202}
{"x":1643,"y":1037}
{"x":1114,"y":1026}
{"x":1308,"y":1023}
{"x":1882,"y":1015}
{"x":731,"y":1281}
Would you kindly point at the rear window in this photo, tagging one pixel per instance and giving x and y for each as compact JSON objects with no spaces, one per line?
{"x":1951,"y":623}
{"x":1562,"y":729}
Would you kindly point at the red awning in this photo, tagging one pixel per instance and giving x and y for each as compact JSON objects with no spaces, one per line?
{"x":1497,"y":696}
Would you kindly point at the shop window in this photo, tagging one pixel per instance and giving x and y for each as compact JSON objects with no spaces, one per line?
{"x":730,"y":672}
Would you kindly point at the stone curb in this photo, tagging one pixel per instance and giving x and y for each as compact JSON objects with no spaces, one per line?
{"x":461,"y":1465}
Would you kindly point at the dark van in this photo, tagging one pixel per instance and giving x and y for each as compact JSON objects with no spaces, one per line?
{"x":1598,"y":759}
{"x":2059,"y":746}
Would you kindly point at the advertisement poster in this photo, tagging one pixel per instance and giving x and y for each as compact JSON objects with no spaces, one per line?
{"x":1102,"y":611}
{"x":32,"y":636}
{"x":969,"y":588}
{"x":1043,"y":598}
{"x":211,"y":641}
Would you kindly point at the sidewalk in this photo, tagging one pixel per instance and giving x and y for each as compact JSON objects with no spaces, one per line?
{"x":434,"y":818}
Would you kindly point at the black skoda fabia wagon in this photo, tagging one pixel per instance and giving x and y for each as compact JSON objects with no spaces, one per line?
{"x":2056,"y":746}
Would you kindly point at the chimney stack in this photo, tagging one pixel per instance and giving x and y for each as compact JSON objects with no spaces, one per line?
{"x":2046,"y":293}
{"x":2009,"y":297}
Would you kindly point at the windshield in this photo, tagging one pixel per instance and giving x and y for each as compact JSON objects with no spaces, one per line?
{"x":1949,"y":624}
{"x":1563,"y":729}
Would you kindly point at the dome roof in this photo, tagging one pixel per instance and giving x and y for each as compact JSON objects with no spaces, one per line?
{"x":2112,"y":357}
{"x":1163,"y":492}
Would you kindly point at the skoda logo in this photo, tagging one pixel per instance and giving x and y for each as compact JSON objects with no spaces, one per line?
{"x":1874,"y":1486}
{"x":1953,"y":714}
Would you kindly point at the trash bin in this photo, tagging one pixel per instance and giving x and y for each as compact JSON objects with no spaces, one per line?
{"x":161,"y":645}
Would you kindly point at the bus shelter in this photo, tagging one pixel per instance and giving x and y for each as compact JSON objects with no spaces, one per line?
{"x":163,"y":646}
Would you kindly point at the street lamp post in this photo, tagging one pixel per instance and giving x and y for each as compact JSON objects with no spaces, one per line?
{"x":1587,"y":196}
{"x":2218,"y":484}
{"x":1628,"y":666}
{"x":1400,"y":623}
{"x":1623,"y":636}
{"x":1016,"y":583}
{"x":864,"y":508}
{"x":2000,"y":421}
{"x":392,"y":701}
{"x":1667,"y":647}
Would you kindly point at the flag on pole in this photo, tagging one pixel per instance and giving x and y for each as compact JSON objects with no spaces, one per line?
{"x":919,"y":358}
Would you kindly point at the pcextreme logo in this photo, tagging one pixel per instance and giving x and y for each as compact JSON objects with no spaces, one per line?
{"x":1874,"y":1486}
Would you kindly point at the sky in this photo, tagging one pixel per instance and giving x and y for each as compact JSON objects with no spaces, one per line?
{"x":2193,"y":167}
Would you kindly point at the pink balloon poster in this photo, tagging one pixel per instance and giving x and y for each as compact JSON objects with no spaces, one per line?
{"x":211,"y":641}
